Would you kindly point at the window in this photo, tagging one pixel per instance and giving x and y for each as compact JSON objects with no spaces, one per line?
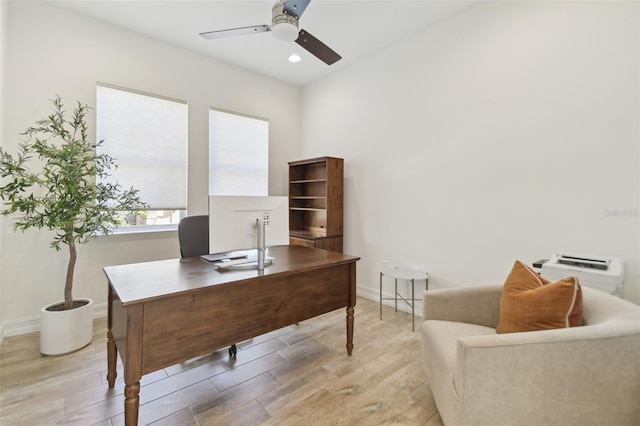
{"x":147,"y":135}
{"x":238,"y":154}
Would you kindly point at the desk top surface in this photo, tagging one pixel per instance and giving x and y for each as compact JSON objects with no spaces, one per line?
{"x":141,"y":282}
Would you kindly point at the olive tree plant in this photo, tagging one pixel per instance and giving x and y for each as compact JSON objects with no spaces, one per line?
{"x":50,"y":183}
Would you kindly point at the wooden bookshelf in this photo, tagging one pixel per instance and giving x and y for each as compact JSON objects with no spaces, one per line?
{"x":316,"y":203}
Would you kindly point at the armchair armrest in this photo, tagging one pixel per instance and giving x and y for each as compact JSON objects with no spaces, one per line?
{"x":473,"y":305}
{"x":539,"y":376}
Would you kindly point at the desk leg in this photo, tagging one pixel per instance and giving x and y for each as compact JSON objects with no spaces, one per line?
{"x":112,"y":354}
{"x":352,"y":304}
{"x":131,"y":403}
{"x":133,"y":364}
{"x":112,"y":349}
{"x":350,"y":311}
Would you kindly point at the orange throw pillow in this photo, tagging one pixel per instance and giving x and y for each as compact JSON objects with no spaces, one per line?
{"x":530,"y":302}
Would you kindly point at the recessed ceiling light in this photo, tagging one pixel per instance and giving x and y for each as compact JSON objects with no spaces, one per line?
{"x":294,"y":58}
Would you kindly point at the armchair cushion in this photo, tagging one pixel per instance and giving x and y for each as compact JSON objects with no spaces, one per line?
{"x":530,"y":302}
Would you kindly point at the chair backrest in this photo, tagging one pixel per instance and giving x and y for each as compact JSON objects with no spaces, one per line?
{"x":600,"y":308}
{"x":193,"y":235}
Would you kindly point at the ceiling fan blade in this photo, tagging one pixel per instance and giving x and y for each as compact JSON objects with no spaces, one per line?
{"x":236,"y":32}
{"x":317,"y":48}
{"x":296,"y":7}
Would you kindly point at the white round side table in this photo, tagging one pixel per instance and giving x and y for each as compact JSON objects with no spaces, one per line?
{"x":408,"y":275}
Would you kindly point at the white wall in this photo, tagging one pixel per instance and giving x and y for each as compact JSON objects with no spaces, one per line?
{"x":3,"y":62}
{"x":52,"y":51}
{"x":510,"y":131}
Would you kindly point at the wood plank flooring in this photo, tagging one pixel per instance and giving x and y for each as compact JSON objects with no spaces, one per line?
{"x":298,"y":375}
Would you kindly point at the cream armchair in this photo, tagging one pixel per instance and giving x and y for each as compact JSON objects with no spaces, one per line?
{"x":588,"y":375}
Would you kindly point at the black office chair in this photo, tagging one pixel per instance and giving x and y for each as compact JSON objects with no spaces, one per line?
{"x":193,"y":236}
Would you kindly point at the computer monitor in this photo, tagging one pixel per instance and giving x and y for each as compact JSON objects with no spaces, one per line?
{"x":232,"y":222}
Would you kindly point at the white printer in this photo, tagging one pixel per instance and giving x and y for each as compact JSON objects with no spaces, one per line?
{"x":603,"y":273}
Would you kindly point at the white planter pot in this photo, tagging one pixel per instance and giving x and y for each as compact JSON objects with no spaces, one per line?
{"x":62,"y":332}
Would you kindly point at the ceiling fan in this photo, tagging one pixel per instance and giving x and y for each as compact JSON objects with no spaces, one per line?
{"x":284,"y":26}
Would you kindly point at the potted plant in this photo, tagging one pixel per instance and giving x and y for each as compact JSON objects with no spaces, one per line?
{"x":50,"y":183}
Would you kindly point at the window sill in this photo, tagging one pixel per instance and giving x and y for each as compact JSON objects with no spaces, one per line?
{"x":143,"y":232}
{"x":144,"y":229}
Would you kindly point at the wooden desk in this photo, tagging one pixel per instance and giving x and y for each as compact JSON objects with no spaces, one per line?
{"x":165,"y":312}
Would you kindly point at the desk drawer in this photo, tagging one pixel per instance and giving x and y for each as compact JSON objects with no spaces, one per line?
{"x":182,"y":327}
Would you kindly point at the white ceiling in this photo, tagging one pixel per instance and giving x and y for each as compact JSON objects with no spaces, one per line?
{"x":353,"y":28}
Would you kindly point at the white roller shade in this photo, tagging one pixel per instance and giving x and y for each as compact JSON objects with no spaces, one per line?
{"x":238,"y":154}
{"x":147,"y":135}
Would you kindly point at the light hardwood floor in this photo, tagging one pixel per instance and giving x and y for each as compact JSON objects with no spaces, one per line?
{"x":298,"y":375}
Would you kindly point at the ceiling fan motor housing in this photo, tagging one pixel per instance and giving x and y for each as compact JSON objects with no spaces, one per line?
{"x":284,"y":26}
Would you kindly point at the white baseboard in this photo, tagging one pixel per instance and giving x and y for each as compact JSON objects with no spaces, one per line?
{"x":32,"y":324}
{"x":100,"y":311}
{"x":21,"y":326}
{"x":374,"y":295}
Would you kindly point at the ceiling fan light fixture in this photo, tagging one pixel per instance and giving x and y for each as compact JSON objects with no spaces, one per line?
{"x":285,"y":31}
{"x":283,"y":25}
